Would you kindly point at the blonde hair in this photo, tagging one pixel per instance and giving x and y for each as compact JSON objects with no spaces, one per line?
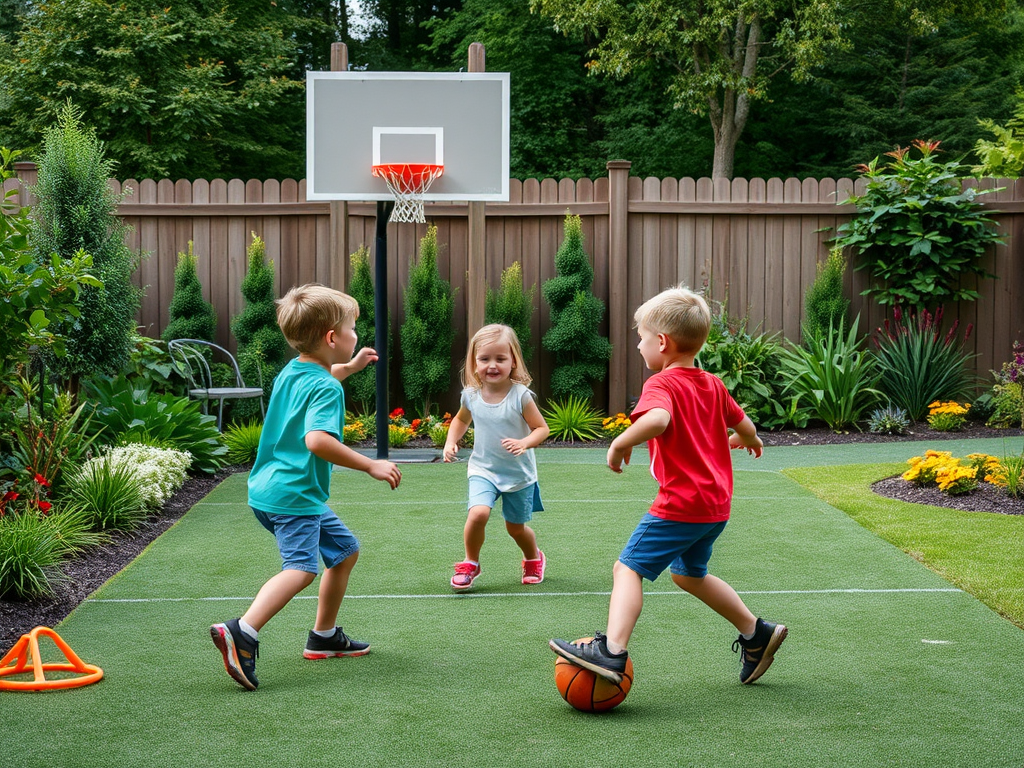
{"x":305,"y":314}
{"x":679,"y":313}
{"x":491,"y":334}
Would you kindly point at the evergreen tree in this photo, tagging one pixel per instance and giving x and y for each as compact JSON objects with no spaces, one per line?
{"x":191,"y":316}
{"x":427,"y":333}
{"x":581,"y":353}
{"x":825,"y":306}
{"x":511,"y":305}
{"x":361,"y":387}
{"x":76,"y":210}
{"x":262,"y":348}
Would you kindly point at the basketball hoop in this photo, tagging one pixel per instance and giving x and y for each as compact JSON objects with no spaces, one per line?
{"x":408,"y":182}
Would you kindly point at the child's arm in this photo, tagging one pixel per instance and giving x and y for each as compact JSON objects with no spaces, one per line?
{"x":363,"y":358}
{"x":648,"y":426}
{"x":460,"y":423}
{"x":539,"y":433}
{"x":745,"y":436}
{"x":329,"y":448}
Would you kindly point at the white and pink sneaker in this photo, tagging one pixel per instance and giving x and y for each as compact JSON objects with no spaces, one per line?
{"x":465,"y":575}
{"x":533,"y":570}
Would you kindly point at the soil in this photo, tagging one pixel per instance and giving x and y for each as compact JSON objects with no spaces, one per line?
{"x":85,"y":574}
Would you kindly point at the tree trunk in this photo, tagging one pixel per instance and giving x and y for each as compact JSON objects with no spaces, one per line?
{"x":725,"y":150}
{"x":730,"y":107}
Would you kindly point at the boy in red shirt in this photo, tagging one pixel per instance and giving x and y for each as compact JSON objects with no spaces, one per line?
{"x":685,"y":414}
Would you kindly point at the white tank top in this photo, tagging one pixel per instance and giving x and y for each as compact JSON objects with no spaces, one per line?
{"x":492,"y":423}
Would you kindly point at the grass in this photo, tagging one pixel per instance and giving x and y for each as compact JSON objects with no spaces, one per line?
{"x":886,"y":663}
{"x":979,"y":552}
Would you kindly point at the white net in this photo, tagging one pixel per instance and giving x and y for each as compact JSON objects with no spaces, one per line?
{"x":408,"y":182}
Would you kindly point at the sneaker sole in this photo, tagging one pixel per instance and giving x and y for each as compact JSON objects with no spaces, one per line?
{"x":607,"y":674}
{"x":333,"y":654}
{"x":226,"y":645}
{"x":769,"y":653}
{"x":464,"y":587}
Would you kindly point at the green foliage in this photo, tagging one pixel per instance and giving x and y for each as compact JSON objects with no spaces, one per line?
{"x":191,"y":316}
{"x":242,"y":441}
{"x":511,"y":305}
{"x":30,"y":556}
{"x":151,"y":366}
{"x":572,"y":419}
{"x":262,"y":348}
{"x":361,"y":386}
{"x":128,"y":414}
{"x":1004,"y":157}
{"x":919,"y":364}
{"x":581,"y":353}
{"x":917,"y":231}
{"x":825,"y":306}
{"x":427,"y":333}
{"x":833,"y":377}
{"x":890,"y":420}
{"x":184,"y":90}
{"x":1007,"y":394}
{"x":109,"y":493}
{"x":160,"y":471}
{"x":1012,"y":473}
{"x":76,"y":211}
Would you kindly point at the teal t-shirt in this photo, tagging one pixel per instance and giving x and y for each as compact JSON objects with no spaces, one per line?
{"x":286,"y":478}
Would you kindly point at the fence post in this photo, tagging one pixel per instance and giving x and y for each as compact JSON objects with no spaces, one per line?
{"x":338,"y":264}
{"x":618,"y":246}
{"x":28,"y":175}
{"x":476,"y":275}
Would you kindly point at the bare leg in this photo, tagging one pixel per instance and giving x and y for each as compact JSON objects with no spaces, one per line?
{"x":476,"y":529}
{"x":624,"y":608}
{"x":525,"y":538}
{"x":333,"y":584}
{"x":721,"y":598}
{"x":274,"y":595}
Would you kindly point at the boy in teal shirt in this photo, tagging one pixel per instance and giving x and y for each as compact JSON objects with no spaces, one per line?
{"x":291,"y":477}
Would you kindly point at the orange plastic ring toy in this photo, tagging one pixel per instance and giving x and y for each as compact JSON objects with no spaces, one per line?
{"x":25,"y":656}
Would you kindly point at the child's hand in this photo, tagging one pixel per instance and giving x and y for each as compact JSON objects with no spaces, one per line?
{"x":386,"y":471}
{"x":753,"y":446}
{"x":451,"y":452}
{"x":363,"y":358}
{"x":618,"y":456}
{"x":515,"y":447}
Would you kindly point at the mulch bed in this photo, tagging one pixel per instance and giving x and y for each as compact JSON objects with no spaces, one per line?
{"x":87,"y":573}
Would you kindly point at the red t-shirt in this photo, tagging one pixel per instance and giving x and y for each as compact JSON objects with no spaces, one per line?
{"x":690,"y":459}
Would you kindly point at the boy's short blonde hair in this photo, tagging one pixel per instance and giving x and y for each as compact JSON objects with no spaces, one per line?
{"x":490,"y":334}
{"x":306,"y":313}
{"x":679,"y":313}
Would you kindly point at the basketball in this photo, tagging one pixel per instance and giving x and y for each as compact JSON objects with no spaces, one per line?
{"x":587,"y":691}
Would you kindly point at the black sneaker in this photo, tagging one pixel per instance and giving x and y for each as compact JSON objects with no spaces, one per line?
{"x":339,"y":644}
{"x":240,"y":653}
{"x":594,"y":656}
{"x":759,"y":651}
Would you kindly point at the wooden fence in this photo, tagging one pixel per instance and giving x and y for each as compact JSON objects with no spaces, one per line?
{"x":755,"y":243}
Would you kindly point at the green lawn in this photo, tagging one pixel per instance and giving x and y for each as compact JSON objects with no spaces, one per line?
{"x":887,"y":663}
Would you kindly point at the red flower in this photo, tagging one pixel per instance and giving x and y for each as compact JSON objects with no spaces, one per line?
{"x":44,"y":506}
{"x":396,"y":413}
{"x":415,"y":424}
{"x":10,"y":496}
{"x":40,"y":479}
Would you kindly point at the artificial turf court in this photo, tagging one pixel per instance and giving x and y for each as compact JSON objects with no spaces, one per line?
{"x":886,"y":662}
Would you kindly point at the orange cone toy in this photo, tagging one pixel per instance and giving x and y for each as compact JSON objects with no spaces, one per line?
{"x":24,"y":658}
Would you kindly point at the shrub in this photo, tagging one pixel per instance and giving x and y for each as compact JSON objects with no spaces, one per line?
{"x":581,"y":353}
{"x":825,"y":306}
{"x":1009,"y":474}
{"x":361,"y":386}
{"x":398,"y":435}
{"x":983,"y":464}
{"x":243,"y":440}
{"x":920,"y":364}
{"x":512,"y":305}
{"x":917,"y":230}
{"x":947,"y":417}
{"x":924,"y":469}
{"x":30,"y":556}
{"x":890,"y":420}
{"x":353,"y":432}
{"x":160,"y":471}
{"x":427,"y":333}
{"x":1003,"y":157}
{"x":110,"y":493}
{"x":191,"y":316}
{"x":151,"y":366}
{"x":77,"y":211}
{"x":573,"y":419}
{"x":613,"y":426}
{"x":956,"y":480}
{"x":438,"y":434}
{"x":1008,"y":392}
{"x":832,"y":377}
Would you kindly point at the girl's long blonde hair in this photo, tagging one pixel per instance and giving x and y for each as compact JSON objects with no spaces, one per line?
{"x":491,"y":334}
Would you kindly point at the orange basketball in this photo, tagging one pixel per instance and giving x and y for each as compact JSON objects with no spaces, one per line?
{"x":587,"y":691}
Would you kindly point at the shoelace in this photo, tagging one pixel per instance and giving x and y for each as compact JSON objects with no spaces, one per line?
{"x":532,"y":567}
{"x":466,"y":568}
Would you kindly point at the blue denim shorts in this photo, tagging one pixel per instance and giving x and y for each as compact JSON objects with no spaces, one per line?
{"x":657,"y":544}
{"x":516,"y":506}
{"x":301,"y":538}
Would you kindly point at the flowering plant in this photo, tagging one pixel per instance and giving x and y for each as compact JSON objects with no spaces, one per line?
{"x":159,"y":471}
{"x":399,"y":435}
{"x":613,"y":426}
{"x":354,"y":432}
{"x":956,"y":479}
{"x":949,"y":416}
{"x":924,"y":469}
{"x":984,"y":464}
{"x":1008,"y":392}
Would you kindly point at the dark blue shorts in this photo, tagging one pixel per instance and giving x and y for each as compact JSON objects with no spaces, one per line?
{"x":683,"y":548}
{"x":301,"y":538}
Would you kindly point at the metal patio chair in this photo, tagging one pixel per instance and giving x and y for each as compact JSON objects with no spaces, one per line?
{"x":189,"y":354}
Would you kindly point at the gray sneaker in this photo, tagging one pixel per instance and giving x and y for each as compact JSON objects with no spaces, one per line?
{"x":594,"y":656}
{"x":336,"y":646}
{"x":240,"y":653}
{"x":759,"y":651}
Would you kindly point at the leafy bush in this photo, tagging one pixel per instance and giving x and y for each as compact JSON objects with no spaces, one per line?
{"x":151,"y":366}
{"x":832,"y":377}
{"x":191,"y":316}
{"x":427,"y":333}
{"x":890,"y":420}
{"x":947,"y":417}
{"x":243,"y":440}
{"x":581,"y":353}
{"x":128,"y":414}
{"x":398,"y":435}
{"x":920,"y":364}
{"x":917,"y":230}
{"x":110,"y":493}
{"x":361,"y":386}
{"x":573,"y":419}
{"x":438,"y":434}
{"x":1008,"y":392}
{"x":30,"y":556}
{"x":1009,"y":475}
{"x":160,"y":471}
{"x":512,"y":305}
{"x":825,"y":306}
{"x":1003,"y":157}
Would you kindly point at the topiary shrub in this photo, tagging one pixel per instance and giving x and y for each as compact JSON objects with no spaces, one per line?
{"x":191,"y":316}
{"x":581,"y":353}
{"x":361,"y":387}
{"x":825,"y":306}
{"x":512,"y":305}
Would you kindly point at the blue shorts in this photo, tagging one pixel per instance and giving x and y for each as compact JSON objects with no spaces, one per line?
{"x":300,"y":538}
{"x":516,"y":506}
{"x":657,"y":544}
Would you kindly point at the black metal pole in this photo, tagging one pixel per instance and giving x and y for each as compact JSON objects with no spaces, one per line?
{"x":380,"y":321}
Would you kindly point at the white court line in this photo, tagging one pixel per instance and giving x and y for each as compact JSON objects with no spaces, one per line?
{"x":523,"y":594}
{"x":457,"y":502}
